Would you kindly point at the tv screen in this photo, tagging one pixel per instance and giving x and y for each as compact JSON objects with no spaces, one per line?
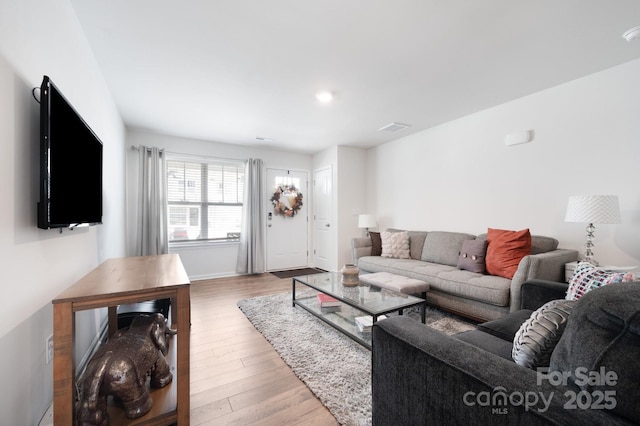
{"x":70,"y":164}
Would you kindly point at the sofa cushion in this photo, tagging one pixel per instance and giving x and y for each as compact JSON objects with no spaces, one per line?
{"x":376,"y":243}
{"x":539,"y":334}
{"x":602,"y":337}
{"x":505,"y":251}
{"x":444,"y":278}
{"x":416,"y":241}
{"x":404,"y":267}
{"x":487,"y":342}
{"x":443,"y":247}
{"x":507,"y":326}
{"x":470,"y":285}
{"x":472,"y":256}
{"x":395,"y":244}
{"x":587,"y":277}
{"x":539,"y":243}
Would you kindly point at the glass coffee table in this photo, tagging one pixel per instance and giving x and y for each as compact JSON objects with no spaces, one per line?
{"x":358,"y":301}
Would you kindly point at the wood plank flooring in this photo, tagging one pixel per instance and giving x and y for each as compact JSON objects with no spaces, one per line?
{"x":237,"y":378}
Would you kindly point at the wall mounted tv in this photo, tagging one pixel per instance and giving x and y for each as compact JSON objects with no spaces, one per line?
{"x":70,"y":164}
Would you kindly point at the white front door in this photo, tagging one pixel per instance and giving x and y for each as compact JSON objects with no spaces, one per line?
{"x":287,"y":219}
{"x":322,"y":215}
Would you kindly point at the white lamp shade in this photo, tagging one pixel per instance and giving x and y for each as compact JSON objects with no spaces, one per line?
{"x":593,"y":209}
{"x":367,"y":221}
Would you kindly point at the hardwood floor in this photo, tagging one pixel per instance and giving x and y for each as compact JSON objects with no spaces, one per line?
{"x":236,"y":376}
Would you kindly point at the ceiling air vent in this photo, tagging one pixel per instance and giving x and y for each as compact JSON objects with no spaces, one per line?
{"x":394,"y":127}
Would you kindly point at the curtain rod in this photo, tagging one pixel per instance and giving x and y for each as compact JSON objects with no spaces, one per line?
{"x":194,"y":156}
{"x":137,"y":148}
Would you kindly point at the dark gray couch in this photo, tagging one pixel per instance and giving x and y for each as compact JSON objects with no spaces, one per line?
{"x":423,"y":377}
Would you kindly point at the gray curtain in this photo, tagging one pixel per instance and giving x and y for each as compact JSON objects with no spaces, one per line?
{"x":251,"y":251}
{"x":151,"y":203}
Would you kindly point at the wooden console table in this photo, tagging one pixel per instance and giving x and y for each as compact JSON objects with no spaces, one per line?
{"x":117,"y":282}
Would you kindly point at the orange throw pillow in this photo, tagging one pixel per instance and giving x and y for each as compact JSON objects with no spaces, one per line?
{"x":505,"y":251}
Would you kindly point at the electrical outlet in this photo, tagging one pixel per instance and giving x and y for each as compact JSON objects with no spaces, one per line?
{"x":49,"y":348}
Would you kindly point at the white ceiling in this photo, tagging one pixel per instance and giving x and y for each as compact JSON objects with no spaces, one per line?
{"x":231,"y":71}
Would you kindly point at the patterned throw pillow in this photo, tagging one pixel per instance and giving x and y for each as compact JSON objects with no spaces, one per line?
{"x":587,"y":277}
{"x":395,"y":244}
{"x":538,"y":336}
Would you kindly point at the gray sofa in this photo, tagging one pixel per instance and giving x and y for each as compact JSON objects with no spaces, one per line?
{"x":482,"y":297}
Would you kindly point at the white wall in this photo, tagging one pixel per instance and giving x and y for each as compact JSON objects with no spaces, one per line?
{"x":352,"y":199}
{"x":43,"y":37}
{"x":349,"y":197}
{"x":460,"y":176}
{"x":218,"y":260}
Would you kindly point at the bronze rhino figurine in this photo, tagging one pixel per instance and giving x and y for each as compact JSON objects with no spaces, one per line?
{"x":120,"y":368}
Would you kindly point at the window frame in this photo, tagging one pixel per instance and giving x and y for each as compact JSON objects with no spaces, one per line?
{"x":204,"y":204}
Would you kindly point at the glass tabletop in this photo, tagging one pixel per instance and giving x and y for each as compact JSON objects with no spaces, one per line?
{"x":373,"y":300}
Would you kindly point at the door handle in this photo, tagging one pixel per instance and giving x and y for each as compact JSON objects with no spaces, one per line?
{"x":328,"y":225}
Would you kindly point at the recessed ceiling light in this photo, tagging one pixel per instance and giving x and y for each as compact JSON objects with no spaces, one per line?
{"x":631,"y":34}
{"x":324,"y":97}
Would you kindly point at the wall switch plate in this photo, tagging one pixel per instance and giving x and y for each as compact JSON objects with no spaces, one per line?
{"x":49,"y":349}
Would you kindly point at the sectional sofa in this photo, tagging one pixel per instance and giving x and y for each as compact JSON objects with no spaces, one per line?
{"x":434,"y":257}
{"x":421,"y":376}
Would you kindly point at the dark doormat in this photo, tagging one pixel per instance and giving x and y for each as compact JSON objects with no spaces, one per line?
{"x":297,"y":272}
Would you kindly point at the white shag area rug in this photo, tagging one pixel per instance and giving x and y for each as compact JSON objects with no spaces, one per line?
{"x":334,"y":367}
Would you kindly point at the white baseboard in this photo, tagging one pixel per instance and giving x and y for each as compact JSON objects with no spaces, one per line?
{"x":213,"y":276}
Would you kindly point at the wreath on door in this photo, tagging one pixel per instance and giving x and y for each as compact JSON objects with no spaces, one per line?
{"x":286,"y":200}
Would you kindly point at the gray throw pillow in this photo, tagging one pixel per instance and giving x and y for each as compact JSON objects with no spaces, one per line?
{"x":472,"y":254}
{"x":538,"y":336}
{"x":376,"y":243}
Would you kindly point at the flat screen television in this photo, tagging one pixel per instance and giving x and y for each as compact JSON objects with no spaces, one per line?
{"x":70,"y":164}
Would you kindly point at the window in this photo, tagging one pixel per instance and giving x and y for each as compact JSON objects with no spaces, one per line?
{"x":204,"y":199}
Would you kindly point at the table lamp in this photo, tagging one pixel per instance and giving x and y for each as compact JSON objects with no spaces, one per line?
{"x":367,"y":221}
{"x":592,"y":209}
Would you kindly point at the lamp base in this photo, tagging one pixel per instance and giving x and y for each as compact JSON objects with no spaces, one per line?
{"x":588,"y":254}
